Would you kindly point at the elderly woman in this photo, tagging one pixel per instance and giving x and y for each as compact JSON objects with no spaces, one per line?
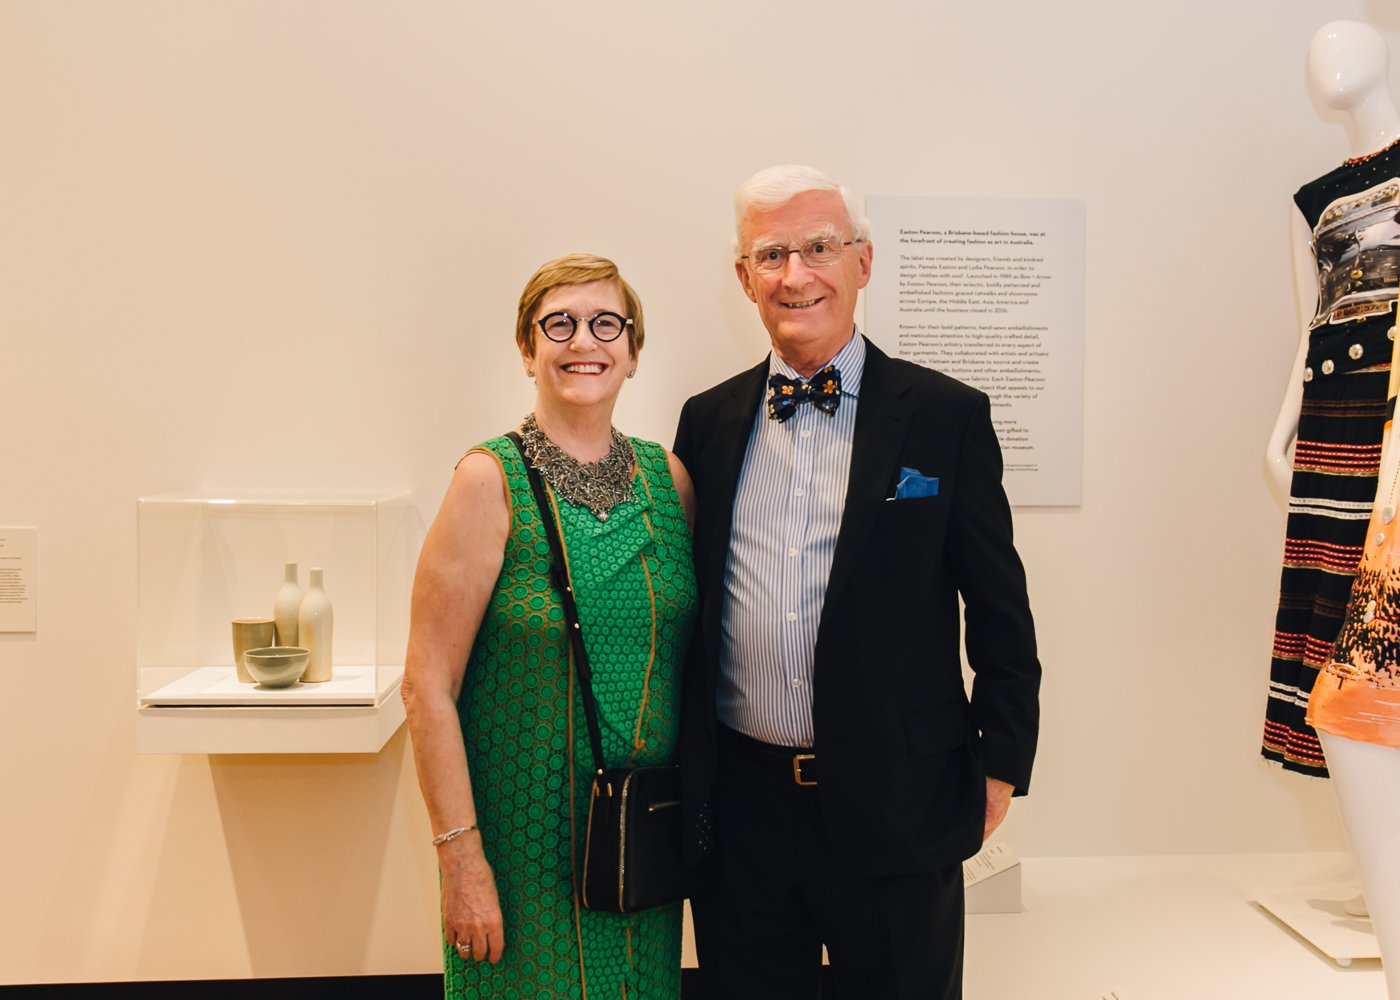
{"x":497,"y":722}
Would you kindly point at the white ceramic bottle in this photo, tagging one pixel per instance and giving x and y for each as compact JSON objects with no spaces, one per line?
{"x":286,"y":607}
{"x":314,"y":626}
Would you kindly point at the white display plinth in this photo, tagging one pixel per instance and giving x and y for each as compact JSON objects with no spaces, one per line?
{"x":221,"y":686}
{"x":278,"y":729}
{"x":206,"y":559}
{"x":1314,"y":908}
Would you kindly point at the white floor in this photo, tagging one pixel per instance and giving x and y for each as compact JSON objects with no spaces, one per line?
{"x":1163,"y":928}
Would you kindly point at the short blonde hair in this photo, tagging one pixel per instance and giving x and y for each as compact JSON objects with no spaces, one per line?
{"x":575,"y":269}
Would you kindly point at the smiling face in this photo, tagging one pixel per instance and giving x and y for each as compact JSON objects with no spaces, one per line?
{"x":809,"y":312}
{"x":583,"y":372}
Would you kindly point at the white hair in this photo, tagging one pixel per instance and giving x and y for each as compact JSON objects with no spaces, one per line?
{"x":778,"y":185}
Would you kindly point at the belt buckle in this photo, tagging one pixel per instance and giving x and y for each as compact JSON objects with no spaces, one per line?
{"x":797,"y":760}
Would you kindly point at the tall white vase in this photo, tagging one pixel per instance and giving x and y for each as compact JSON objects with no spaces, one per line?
{"x":314,"y":627}
{"x":286,"y":607}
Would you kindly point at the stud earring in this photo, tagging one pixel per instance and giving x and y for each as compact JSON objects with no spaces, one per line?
{"x":529,"y":373}
{"x":632,"y":373}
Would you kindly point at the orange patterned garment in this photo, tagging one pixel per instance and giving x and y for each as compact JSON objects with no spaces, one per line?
{"x":1357,"y":692}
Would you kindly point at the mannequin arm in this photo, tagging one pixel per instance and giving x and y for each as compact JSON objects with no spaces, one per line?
{"x":1277,"y":462}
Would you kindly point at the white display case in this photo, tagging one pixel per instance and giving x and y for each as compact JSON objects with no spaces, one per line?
{"x":204,"y":560}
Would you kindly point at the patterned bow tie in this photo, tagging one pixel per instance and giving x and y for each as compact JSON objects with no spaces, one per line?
{"x":785,"y":394}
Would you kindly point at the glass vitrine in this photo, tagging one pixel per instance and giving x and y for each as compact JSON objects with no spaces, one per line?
{"x":204,"y":560}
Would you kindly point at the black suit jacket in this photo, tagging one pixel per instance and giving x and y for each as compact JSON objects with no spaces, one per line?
{"x":903,"y":752}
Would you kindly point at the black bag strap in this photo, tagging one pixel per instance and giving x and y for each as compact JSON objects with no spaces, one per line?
{"x":559,"y":570}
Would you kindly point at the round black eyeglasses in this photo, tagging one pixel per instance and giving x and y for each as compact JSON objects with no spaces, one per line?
{"x":605,"y":326}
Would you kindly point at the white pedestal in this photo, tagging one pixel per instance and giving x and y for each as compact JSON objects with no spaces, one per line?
{"x":276,"y":728}
{"x":1314,"y":908}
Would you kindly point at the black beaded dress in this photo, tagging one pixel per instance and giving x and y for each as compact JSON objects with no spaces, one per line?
{"x":1354,"y":212}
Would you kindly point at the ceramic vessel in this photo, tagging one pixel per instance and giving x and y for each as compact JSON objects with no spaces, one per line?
{"x":250,"y":633}
{"x":314,"y":627}
{"x":285,"y":608}
{"x":276,"y":666}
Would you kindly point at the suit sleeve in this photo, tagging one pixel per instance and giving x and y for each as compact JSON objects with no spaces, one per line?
{"x":1000,"y":633}
{"x":697,"y":699}
{"x":684,"y":448}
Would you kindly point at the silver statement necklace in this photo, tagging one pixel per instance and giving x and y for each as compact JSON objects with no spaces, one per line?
{"x":600,"y":486}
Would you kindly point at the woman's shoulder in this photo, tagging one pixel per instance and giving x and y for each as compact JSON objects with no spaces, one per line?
{"x":501,"y":445}
{"x":643,"y":448}
{"x":500,"y":448}
{"x":498,"y":457}
{"x":653,"y":459}
{"x":661,"y":468}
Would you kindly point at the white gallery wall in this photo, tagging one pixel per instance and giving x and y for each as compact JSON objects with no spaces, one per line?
{"x":277,"y":245}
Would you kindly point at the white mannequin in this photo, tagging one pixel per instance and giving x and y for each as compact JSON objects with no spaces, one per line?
{"x":1367,"y":779}
{"x":1348,"y":71}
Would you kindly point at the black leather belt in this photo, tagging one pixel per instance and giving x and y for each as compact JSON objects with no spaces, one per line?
{"x":797,"y":764}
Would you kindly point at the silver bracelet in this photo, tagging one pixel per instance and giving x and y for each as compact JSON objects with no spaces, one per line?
{"x":452,"y":834}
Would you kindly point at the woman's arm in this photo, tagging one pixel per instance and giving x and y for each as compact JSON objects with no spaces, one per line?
{"x":457,"y":571}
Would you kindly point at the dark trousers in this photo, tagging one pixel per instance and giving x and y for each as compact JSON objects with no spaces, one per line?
{"x":775,"y":892}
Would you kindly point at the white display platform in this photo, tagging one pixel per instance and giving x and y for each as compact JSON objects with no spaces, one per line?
{"x":1153,"y":928}
{"x":210,"y":729}
{"x":1313,"y":906}
{"x":221,"y":686}
{"x":1157,"y":928}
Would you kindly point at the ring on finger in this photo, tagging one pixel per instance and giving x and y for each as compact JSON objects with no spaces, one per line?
{"x":464,"y":949}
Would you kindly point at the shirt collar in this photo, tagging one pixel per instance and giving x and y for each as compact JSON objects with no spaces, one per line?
{"x":849,"y":361}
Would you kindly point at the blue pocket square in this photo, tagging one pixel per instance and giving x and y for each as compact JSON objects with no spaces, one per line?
{"x":913,"y":483}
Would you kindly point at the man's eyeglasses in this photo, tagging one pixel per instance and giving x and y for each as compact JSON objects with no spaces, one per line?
{"x":605,"y":326}
{"x":814,"y":253}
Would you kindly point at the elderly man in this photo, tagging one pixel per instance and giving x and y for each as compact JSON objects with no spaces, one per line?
{"x":832,"y":758}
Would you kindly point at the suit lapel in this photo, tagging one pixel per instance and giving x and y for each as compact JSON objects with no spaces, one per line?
{"x":882,"y":420}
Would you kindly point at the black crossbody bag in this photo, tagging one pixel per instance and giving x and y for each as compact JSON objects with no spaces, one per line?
{"x":632,"y":851}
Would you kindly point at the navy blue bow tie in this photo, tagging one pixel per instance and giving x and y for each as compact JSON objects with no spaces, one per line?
{"x":822,"y":390}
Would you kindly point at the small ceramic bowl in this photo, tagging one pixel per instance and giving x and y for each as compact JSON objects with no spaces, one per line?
{"x":277,"y":666}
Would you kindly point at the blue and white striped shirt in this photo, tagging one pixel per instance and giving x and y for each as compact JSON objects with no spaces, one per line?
{"x":787,"y":514}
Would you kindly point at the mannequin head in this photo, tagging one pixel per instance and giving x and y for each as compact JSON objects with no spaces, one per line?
{"x":1347,"y":64}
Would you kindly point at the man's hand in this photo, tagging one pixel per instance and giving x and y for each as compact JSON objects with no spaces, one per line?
{"x":998,"y":802}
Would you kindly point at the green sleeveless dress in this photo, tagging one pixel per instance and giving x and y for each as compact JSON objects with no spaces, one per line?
{"x":527,"y":739}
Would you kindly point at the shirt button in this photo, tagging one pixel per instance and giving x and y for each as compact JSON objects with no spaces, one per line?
{"x":792,"y":616}
{"x":799,"y":492}
{"x":796,"y":682}
{"x":1327,"y":367}
{"x":806,"y":434}
{"x":1355,"y":351}
{"x":1307,"y":375}
{"x":792,"y":552}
